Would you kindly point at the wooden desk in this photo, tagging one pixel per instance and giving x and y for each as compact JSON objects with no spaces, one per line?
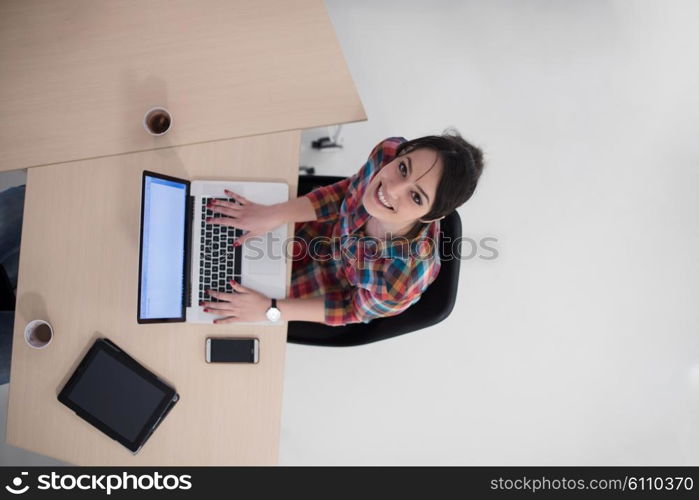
{"x":77,"y":76}
{"x":79,"y":270}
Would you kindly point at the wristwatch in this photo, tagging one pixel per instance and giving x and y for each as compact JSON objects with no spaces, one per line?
{"x":273,"y":313}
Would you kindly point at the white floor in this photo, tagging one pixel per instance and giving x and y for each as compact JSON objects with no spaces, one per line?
{"x":12,"y":178}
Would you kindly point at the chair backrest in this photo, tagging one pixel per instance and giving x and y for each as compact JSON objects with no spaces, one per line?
{"x":435,"y":304}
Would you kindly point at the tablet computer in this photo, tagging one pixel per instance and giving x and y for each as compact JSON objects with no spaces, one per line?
{"x":119,"y":396}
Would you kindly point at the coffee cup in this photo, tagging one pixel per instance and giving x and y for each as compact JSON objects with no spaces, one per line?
{"x":38,"y":333}
{"x":157,"y":121}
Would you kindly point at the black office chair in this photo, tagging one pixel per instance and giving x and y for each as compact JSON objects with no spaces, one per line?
{"x":7,"y":294}
{"x":435,"y":304}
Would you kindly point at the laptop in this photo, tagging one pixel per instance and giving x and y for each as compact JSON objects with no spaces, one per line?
{"x":181,"y":255}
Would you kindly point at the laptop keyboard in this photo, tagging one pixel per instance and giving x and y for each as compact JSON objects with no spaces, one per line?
{"x":219,"y":261}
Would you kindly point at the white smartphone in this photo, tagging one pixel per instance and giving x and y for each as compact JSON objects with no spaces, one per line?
{"x":232,"y":350}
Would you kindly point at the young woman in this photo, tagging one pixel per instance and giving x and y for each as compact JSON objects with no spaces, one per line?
{"x":366,"y":247}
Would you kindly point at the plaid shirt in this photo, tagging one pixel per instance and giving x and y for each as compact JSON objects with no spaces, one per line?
{"x":361,"y":278}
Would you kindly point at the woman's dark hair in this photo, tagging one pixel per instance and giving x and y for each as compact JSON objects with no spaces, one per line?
{"x":463,"y":165}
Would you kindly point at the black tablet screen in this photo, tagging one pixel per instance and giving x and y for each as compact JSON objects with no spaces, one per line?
{"x":116,"y":395}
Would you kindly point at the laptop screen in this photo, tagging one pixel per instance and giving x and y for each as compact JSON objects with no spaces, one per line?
{"x":163,"y":248}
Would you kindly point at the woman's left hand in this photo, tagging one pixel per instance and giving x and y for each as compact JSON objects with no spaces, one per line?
{"x":242,"y":305}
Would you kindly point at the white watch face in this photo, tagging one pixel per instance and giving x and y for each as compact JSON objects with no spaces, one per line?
{"x":273,"y":314}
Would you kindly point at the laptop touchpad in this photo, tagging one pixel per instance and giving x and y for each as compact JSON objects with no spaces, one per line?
{"x":264,"y":255}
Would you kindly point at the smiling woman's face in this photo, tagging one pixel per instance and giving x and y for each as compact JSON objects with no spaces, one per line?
{"x":402,"y":191}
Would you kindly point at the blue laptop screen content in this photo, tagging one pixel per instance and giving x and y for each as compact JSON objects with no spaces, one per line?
{"x":162,"y":258}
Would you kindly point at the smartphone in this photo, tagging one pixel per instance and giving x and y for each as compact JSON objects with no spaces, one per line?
{"x":232,"y":350}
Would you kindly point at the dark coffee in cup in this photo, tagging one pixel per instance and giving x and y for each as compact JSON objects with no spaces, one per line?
{"x":38,"y":333}
{"x":42,"y":333}
{"x":158,"y":122}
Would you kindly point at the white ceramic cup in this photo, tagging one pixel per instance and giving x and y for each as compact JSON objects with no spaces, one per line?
{"x":36,"y":334}
{"x":157,"y":121}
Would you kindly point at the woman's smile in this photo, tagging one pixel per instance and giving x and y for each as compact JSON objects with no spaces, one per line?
{"x":381,"y":198}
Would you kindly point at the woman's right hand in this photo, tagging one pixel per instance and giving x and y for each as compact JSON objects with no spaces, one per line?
{"x":252,"y":217}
